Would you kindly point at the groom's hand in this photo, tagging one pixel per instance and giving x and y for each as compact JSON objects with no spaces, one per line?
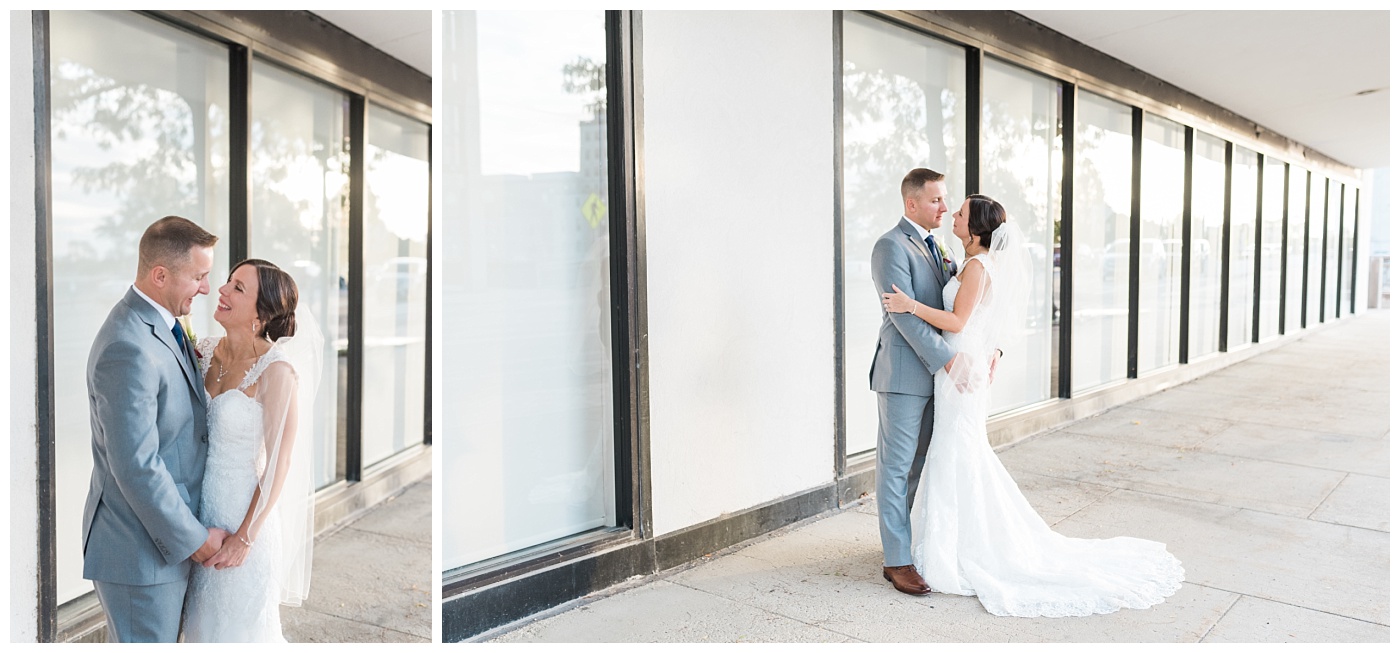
{"x":232,"y":554}
{"x":211,"y":545}
{"x":958,"y":372}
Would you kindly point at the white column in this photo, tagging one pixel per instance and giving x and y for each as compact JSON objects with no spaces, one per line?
{"x":21,"y":358}
{"x":738,"y":150}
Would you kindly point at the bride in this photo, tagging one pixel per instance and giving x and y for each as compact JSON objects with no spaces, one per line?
{"x":257,"y":481}
{"x":974,"y":533}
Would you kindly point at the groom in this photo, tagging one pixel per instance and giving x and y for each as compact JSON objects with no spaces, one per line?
{"x":909,"y":352}
{"x":149,"y":437}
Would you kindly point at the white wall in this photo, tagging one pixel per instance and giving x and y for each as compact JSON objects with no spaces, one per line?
{"x":19,"y":278}
{"x":737,"y":153}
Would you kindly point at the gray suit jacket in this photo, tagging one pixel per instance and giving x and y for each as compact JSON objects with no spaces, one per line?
{"x":910,"y":350}
{"x":149,"y":438}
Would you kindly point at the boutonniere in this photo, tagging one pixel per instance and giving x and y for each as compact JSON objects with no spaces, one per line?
{"x":192,"y":339}
{"x":942,"y":249}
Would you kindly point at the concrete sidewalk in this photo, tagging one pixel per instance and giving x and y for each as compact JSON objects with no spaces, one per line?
{"x":371,"y":578}
{"x":1270,"y":480}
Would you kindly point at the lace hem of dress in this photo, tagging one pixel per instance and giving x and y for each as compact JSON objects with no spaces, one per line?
{"x":1159,"y":582}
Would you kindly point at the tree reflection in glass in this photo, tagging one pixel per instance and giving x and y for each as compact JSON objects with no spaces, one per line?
{"x":298,"y":219}
{"x":140,"y":131}
{"x":1021,"y":168}
{"x":903,"y":108}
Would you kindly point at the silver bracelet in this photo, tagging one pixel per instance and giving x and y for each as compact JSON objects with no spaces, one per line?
{"x":248,"y":543}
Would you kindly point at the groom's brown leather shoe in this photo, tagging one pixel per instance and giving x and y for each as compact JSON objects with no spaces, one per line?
{"x":907,"y":579}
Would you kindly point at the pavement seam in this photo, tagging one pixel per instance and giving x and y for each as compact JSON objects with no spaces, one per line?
{"x":356,"y":621}
{"x":1324,"y":499}
{"x":410,"y":540}
{"x":1212,"y":453}
{"x":1202,"y":392}
{"x":1222,"y":615}
{"x":1291,"y":605}
{"x":1110,"y":493}
{"x":761,"y":609}
{"x":1237,"y":509}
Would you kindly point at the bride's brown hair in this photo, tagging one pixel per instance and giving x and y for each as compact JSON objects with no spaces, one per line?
{"x":277,"y":299}
{"x":984,"y":215}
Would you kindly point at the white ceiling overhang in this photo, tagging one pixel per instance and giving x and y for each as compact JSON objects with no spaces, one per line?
{"x":1321,"y":78}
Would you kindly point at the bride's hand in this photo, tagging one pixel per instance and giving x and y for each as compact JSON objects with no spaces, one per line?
{"x":897,"y":301}
{"x":232,"y":554}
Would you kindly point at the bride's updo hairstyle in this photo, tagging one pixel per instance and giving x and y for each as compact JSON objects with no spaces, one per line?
{"x":277,"y":299}
{"x":984,"y":215}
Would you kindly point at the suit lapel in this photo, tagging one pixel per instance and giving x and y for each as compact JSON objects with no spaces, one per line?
{"x":149,"y":315}
{"x":919,"y":244}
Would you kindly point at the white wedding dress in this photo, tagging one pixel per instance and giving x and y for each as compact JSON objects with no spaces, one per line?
{"x":974,"y":533}
{"x":237,"y":604}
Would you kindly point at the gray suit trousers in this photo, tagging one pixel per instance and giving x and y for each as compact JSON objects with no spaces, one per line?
{"x":906,"y":425}
{"x":141,"y":613}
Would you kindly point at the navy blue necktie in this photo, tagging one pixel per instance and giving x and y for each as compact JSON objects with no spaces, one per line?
{"x":937,"y":256}
{"x":184,"y":343}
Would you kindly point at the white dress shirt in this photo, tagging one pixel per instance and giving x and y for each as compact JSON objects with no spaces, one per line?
{"x":164,"y":312}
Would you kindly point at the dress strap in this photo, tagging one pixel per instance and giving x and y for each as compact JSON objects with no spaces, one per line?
{"x":986,"y":261}
{"x":272,"y":356}
{"x":205,"y":349}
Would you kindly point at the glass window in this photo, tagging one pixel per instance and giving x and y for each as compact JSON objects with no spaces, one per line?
{"x":904,"y":104}
{"x":140,"y":131}
{"x":1332,"y":245}
{"x":1244,"y":193}
{"x":525,"y":216}
{"x":1294,"y":260}
{"x":1344,"y":219}
{"x":395,"y":283}
{"x":1349,"y":252}
{"x":1022,"y":169}
{"x":1317,"y":223}
{"x":1271,"y":250}
{"x":299,"y":220}
{"x":1159,"y":285}
{"x":1103,"y":168}
{"x":1207,"y":226}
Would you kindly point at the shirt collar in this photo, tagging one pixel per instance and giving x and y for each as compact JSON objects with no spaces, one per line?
{"x":164,"y":312}
{"x":923,"y":233}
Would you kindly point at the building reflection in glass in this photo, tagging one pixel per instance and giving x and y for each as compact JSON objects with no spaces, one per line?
{"x":1271,"y":250}
{"x":1103,"y":165}
{"x":1160,"y":246}
{"x":1207,"y":239}
{"x":526,"y":359}
{"x":1244,"y":180}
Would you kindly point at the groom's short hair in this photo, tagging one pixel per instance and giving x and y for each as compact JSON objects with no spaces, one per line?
{"x":917,"y":178}
{"x":168,"y":241}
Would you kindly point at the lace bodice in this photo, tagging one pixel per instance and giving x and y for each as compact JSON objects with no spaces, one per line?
{"x":239,"y":603}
